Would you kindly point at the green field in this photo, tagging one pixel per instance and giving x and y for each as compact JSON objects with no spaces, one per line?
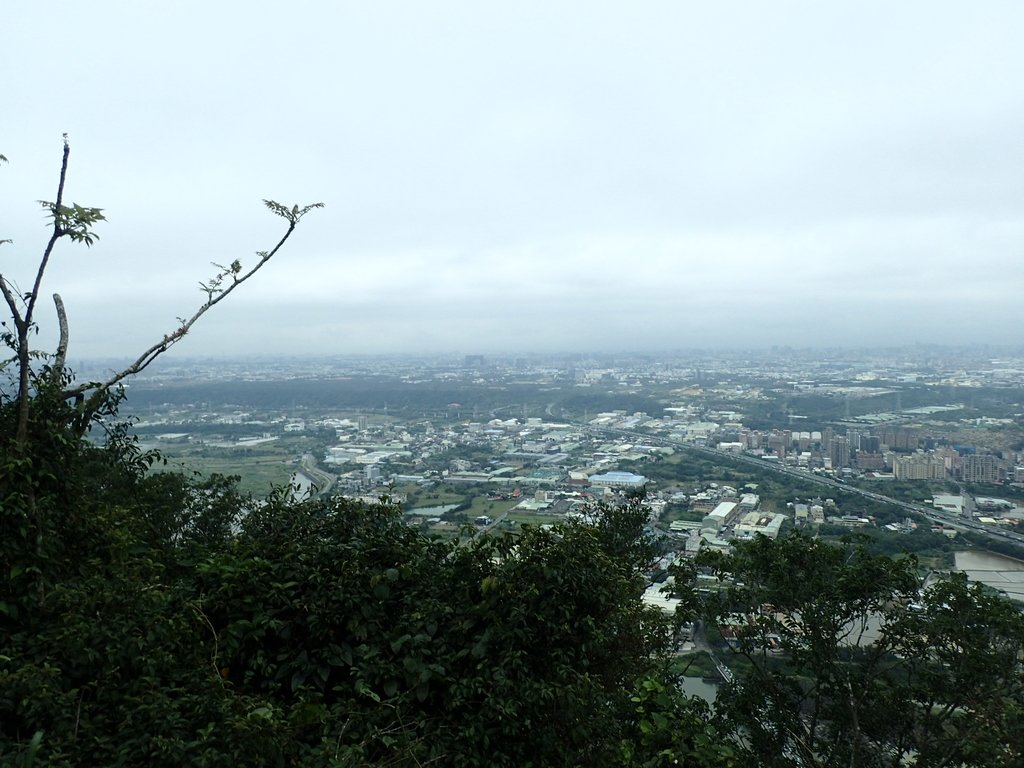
{"x":434,"y":497}
{"x":697,"y":664}
{"x":260,"y":466}
{"x":483,"y":506}
{"x":534,"y":518}
{"x":257,"y":476}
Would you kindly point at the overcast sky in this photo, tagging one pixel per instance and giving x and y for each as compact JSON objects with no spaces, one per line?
{"x":528,"y":176}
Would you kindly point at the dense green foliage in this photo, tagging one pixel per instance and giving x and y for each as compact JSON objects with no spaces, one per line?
{"x":154,"y":620}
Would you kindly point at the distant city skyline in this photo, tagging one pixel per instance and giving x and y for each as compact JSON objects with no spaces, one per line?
{"x":1004,"y":362}
{"x":548,"y":177}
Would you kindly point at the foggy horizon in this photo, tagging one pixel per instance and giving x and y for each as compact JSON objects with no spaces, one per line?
{"x":552,"y":178}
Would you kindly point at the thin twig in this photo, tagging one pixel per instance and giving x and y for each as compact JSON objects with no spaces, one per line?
{"x":54,"y":236}
{"x":169,"y":340}
{"x":78,"y":715}
{"x":216,"y":641}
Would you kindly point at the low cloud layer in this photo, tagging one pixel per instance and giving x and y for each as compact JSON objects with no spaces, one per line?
{"x":570,"y":176}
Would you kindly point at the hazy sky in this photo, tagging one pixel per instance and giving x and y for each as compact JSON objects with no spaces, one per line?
{"x":528,"y":176}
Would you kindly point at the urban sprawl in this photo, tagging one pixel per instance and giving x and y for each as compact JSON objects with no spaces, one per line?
{"x":724,"y":446}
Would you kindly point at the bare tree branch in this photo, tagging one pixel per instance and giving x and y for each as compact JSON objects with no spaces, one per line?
{"x":11,"y":301}
{"x":25,"y":322}
{"x":62,"y":345}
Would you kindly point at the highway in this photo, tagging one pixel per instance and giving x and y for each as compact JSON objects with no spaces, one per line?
{"x":935,"y":515}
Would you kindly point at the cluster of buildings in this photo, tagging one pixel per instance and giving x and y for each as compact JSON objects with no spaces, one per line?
{"x":525,"y":453}
{"x":554,"y":468}
{"x":559,"y":466}
{"x":734,"y":403}
{"x":899,"y":452}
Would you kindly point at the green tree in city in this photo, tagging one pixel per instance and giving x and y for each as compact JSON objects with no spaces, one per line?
{"x":844,"y":663}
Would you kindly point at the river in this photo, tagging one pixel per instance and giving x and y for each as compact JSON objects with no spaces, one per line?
{"x":695,"y":686}
{"x":304,"y":484}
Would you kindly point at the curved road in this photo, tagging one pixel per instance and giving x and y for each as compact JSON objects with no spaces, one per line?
{"x":323,"y":480}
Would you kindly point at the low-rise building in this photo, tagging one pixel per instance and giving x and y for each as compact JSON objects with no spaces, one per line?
{"x":618,"y":480}
{"x":754,"y":523}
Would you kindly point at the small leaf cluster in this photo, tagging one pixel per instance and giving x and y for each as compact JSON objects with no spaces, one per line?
{"x":74,"y":221}
{"x":213,"y":286}
{"x":292,"y":215}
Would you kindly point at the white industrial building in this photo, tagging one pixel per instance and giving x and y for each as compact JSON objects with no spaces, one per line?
{"x":721,"y":516}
